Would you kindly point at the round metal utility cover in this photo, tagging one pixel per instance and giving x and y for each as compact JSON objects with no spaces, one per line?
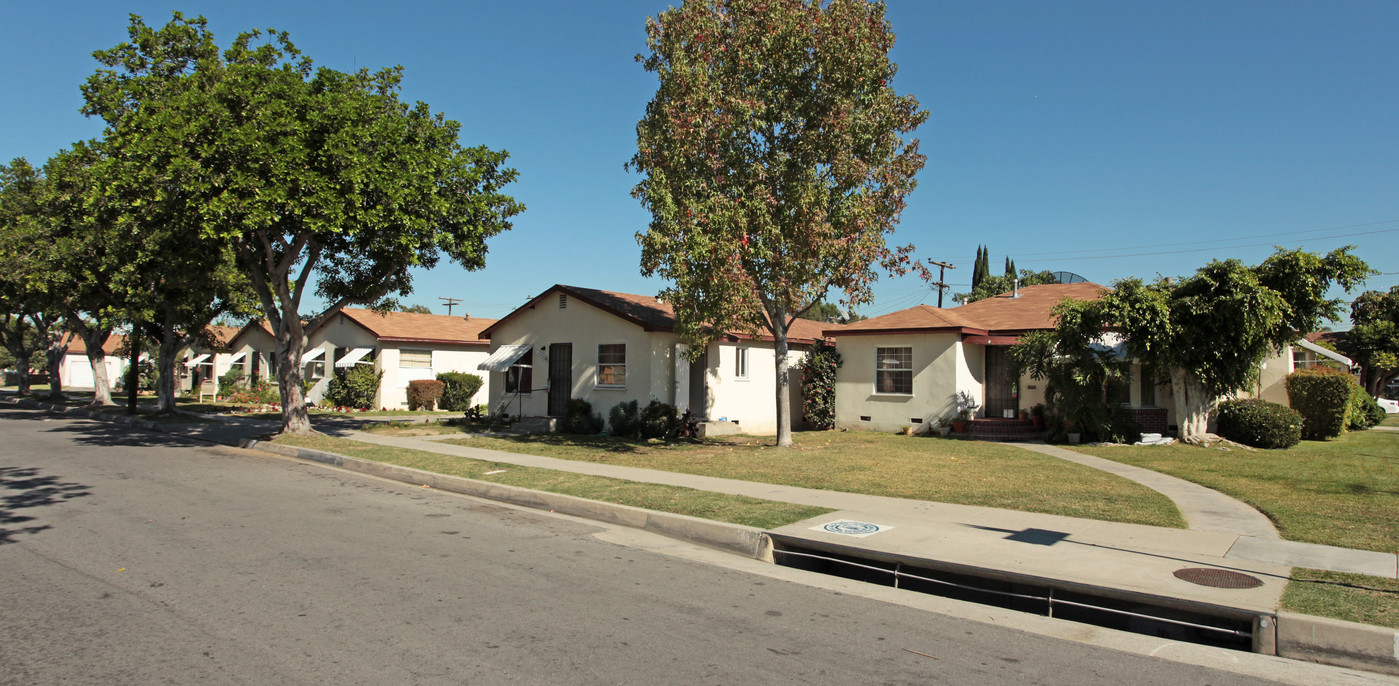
{"x":1217,"y":578}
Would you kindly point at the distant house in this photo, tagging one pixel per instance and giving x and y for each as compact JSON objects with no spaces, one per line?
{"x":608,"y":348}
{"x":202,"y":361}
{"x":1308,"y":352}
{"x":76,"y":370}
{"x":907,"y":368}
{"x":403,"y":345}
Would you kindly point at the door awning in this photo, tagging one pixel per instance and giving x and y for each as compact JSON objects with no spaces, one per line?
{"x":353,"y":357}
{"x":195,"y":362}
{"x":237,"y":358}
{"x":1308,"y":345}
{"x":312,"y":354}
{"x":503,"y":357}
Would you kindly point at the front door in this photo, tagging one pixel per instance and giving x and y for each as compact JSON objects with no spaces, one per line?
{"x":1000,"y":388}
{"x":560,"y":377}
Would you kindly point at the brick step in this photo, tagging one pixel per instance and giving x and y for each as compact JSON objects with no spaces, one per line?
{"x":998,"y":429}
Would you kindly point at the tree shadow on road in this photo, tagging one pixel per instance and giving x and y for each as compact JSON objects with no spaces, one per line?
{"x":23,"y":488}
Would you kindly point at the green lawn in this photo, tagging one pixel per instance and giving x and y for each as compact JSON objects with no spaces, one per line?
{"x":913,"y":467}
{"x":1351,"y":597}
{"x":763,"y":514}
{"x":1390,"y":420}
{"x":1343,"y":492}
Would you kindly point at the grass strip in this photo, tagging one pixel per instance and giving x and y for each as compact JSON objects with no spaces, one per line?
{"x":1339,"y":492}
{"x":913,"y":467}
{"x":755,"y":512}
{"x":1350,"y":597}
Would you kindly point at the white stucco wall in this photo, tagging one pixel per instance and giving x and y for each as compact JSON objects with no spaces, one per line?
{"x":75,"y":371}
{"x":941,"y":366}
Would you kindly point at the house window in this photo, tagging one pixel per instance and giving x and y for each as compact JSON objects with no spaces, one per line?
{"x":415,"y":358}
{"x":893,"y":370}
{"x":1118,"y":393}
{"x":520,"y":376}
{"x":1148,"y":380}
{"x":612,"y":365}
{"x":741,"y":363}
{"x":1301,"y":359}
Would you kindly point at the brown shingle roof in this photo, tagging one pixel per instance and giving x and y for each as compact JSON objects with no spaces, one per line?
{"x":411,"y":326}
{"x":1339,"y":339}
{"x":76,"y":346}
{"x":998,"y":314}
{"x":653,"y":314}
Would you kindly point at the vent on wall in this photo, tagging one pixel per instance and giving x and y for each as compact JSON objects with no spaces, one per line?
{"x":563,"y":301}
{"x":864,"y":418}
{"x":915,"y":420}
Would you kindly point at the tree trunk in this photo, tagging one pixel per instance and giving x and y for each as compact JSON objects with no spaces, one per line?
{"x":1193,"y":407}
{"x":101,"y":385}
{"x":784,"y":397}
{"x":22,"y":374}
{"x":133,"y":370}
{"x":291,"y":341}
{"x":53,"y":355}
{"x":166,"y":372}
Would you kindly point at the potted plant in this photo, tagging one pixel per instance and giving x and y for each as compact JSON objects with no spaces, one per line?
{"x":1037,"y":416}
{"x":966,"y":409}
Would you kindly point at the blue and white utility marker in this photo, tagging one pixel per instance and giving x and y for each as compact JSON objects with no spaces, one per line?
{"x":847,"y":527}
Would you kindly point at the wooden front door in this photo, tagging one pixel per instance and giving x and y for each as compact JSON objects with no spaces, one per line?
{"x":560,"y":377}
{"x":1000,"y":393}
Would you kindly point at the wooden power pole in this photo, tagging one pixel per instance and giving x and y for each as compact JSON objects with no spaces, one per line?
{"x":450,"y":302}
{"x":941,"y":282}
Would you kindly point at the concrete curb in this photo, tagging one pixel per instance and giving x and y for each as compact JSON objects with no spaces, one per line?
{"x":733,"y":538}
{"x":1334,"y":642}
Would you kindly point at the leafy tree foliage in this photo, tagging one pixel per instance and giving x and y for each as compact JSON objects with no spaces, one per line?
{"x":1374,"y":337}
{"x":290,"y":173}
{"x":416,"y":309}
{"x":774,"y":163}
{"x":1211,"y":331}
{"x":996,"y":285}
{"x":819,"y":385}
{"x":29,"y":311}
{"x":1077,"y":367}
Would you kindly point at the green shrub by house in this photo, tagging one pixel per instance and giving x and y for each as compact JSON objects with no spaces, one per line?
{"x":231,"y":381}
{"x":354,"y":387}
{"x":1259,"y":423}
{"x":1322,"y":395}
{"x":659,"y":420}
{"x":624,"y":420}
{"x":819,"y":386}
{"x":579,"y":418}
{"x":1364,"y":411}
{"x":458,"y":390}
{"x":423,"y":394}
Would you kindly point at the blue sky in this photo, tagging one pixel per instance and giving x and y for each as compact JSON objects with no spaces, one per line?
{"x":1109,"y":139}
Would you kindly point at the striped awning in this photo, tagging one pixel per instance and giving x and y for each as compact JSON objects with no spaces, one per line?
{"x":195,"y":362}
{"x":503,"y":357}
{"x":353,"y":357}
{"x":312,"y":354}
{"x":238,"y":358}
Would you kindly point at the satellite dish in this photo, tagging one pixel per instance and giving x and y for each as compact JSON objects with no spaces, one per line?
{"x":1069,"y":277}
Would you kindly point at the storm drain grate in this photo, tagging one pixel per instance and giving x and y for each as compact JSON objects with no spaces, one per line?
{"x":1217,"y":578}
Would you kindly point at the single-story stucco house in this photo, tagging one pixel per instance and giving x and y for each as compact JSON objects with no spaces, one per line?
{"x":75,"y":370}
{"x":608,"y":348}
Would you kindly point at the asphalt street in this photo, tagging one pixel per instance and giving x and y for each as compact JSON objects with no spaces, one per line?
{"x":136,"y":558}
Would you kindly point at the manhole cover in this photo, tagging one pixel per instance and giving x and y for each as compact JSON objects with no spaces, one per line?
{"x":1217,"y":578}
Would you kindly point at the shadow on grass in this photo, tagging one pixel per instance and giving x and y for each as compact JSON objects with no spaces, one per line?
{"x":23,"y":488}
{"x":608,"y":444}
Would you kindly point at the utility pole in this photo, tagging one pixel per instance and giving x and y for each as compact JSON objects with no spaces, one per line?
{"x":450,"y":302}
{"x":941,"y":282}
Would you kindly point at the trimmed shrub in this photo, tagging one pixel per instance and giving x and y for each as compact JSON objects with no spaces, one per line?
{"x":1322,"y":396}
{"x":458,"y":390}
{"x":231,"y":381}
{"x":659,"y":420}
{"x":819,"y":386}
{"x":423,"y":394}
{"x":354,"y":387}
{"x":579,"y":418}
{"x":623,"y":418}
{"x":1259,"y":423}
{"x":1364,"y":411}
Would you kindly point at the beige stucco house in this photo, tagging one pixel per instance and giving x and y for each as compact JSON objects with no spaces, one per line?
{"x":907,"y":368}
{"x":1308,"y":352}
{"x":75,"y":370}
{"x":608,"y":348}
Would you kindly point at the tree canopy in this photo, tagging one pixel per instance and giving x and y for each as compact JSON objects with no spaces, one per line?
{"x":303,"y":178}
{"x":1374,"y":337}
{"x":774,"y":163}
{"x":991,"y":285}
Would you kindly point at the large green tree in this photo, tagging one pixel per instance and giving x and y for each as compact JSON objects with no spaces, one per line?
{"x":30,"y":312}
{"x":1374,"y":337}
{"x":1211,"y":331}
{"x":774,"y":163}
{"x":310,"y":180}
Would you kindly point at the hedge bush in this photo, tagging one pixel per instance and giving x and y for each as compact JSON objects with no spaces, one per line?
{"x":624,"y":420}
{"x":354,"y":387}
{"x":819,"y":386}
{"x":458,"y":390}
{"x":1323,"y":396}
{"x":579,"y":418}
{"x":1259,"y":423}
{"x":659,"y":420}
{"x":423,"y":394}
{"x":1364,"y":411}
{"x":231,"y":381}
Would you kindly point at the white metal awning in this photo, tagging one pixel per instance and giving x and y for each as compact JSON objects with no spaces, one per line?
{"x":237,"y":358}
{"x":1308,"y":345}
{"x":195,"y":362}
{"x":312,"y":354}
{"x":353,"y":357}
{"x":503,"y":357}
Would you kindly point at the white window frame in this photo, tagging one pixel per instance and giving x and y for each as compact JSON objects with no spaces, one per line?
{"x":616,"y":366}
{"x":415,"y":351}
{"x":881,"y":354}
{"x":741,"y":363}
